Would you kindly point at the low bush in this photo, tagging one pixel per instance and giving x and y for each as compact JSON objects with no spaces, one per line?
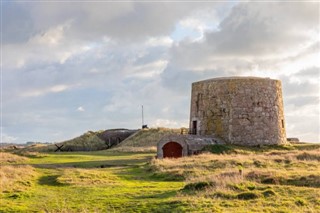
{"x":309,"y":156}
{"x":309,"y":181}
{"x":268,"y":193}
{"x":166,"y":176}
{"x":247,"y":196}
{"x":219,"y":149}
{"x":198,"y":185}
{"x":300,"y":202}
{"x":223,"y":195}
{"x":243,"y":186}
{"x":270,"y":180}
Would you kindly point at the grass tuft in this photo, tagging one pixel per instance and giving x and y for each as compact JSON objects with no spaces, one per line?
{"x":268,"y":193}
{"x":198,"y":185}
{"x":300,"y":202}
{"x":309,"y":156}
{"x":219,"y":149}
{"x":247,"y":196}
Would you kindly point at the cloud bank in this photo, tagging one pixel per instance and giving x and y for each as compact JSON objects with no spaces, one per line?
{"x":69,"y":67}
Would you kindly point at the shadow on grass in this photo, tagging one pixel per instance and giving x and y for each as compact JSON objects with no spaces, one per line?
{"x":142,"y":173}
{"x":50,"y":180}
{"x":163,"y":195}
{"x":95,"y":164}
{"x":235,"y":149}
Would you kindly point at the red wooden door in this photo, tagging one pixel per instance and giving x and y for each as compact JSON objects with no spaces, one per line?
{"x":172,"y":150}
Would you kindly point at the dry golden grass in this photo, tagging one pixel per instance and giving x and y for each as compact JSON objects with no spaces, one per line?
{"x":11,"y":158}
{"x":148,"y":137}
{"x":290,"y":179}
{"x":205,"y":167}
{"x":88,"y":177}
{"x":16,"y":178}
{"x":38,"y":148}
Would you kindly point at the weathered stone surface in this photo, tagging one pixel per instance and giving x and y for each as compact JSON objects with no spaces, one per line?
{"x":240,"y":110}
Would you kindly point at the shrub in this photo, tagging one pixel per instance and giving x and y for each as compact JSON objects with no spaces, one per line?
{"x":308,"y":156}
{"x":251,"y":187}
{"x":310,"y":181}
{"x":270,"y":180}
{"x":198,"y":185}
{"x":258,"y":175}
{"x":168,"y":176}
{"x":223,"y":195}
{"x":268,"y":193}
{"x":219,"y":149}
{"x":258,"y":163}
{"x":243,"y":186}
{"x":247,"y":196}
{"x":300,"y":202}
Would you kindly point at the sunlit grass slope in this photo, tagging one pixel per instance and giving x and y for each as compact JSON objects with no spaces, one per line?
{"x":100,"y":181}
{"x":89,"y":141}
{"x":242,"y":179}
{"x":145,"y":140}
{"x":233,"y":179}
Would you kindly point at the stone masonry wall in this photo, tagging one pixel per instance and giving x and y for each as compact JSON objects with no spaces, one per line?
{"x":240,"y":110}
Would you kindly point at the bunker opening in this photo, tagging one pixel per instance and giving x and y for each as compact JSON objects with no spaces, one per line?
{"x":172,"y":150}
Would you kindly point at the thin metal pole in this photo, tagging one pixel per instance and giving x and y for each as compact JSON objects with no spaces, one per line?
{"x":142,"y":116}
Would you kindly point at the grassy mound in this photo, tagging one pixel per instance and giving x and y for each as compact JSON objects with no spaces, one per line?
{"x":6,"y":157}
{"x":15,"y":178}
{"x":89,"y":141}
{"x":146,"y":139}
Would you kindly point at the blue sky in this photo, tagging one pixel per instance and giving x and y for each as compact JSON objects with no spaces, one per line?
{"x":70,"y":67}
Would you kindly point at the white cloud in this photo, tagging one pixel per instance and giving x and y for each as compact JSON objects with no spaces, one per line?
{"x":150,"y":70}
{"x":115,"y":57}
{"x":51,"y":37}
{"x":45,"y":47}
{"x":8,"y":139}
{"x":159,"y":41}
{"x":44,"y":91}
{"x":80,"y":109}
{"x":168,"y":123}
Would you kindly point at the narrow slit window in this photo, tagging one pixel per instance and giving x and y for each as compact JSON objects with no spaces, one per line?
{"x":282,"y":122}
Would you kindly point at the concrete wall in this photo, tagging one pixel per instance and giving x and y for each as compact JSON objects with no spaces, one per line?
{"x":240,"y":110}
{"x":191,"y":144}
{"x":171,"y":138}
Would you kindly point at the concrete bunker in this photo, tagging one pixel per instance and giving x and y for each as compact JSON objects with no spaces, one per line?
{"x":174,"y":146}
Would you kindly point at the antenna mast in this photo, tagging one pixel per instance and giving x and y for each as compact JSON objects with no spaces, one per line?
{"x":142,"y":116}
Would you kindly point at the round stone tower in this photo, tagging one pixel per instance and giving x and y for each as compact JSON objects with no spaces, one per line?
{"x":240,"y":110}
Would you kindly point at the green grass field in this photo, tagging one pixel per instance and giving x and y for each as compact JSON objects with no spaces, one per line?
{"x":273,"y":180}
{"x":88,"y":182}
